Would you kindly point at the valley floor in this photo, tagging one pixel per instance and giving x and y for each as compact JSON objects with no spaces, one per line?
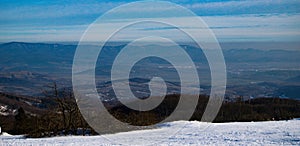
{"x":184,"y":133}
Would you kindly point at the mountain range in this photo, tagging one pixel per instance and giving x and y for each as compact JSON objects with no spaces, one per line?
{"x":27,"y":67}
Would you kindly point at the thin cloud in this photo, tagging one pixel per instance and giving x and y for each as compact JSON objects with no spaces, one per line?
{"x":230,"y":20}
{"x":54,"y":11}
{"x":245,"y":7}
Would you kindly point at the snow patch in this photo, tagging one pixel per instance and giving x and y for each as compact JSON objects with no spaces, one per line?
{"x":185,"y":133}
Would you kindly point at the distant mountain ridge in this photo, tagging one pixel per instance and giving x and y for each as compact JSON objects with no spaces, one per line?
{"x":255,"y":55}
{"x":42,"y":57}
{"x":37,"y":57}
{"x":26,"y":66}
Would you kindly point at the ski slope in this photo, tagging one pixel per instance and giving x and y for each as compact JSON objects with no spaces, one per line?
{"x":184,"y":133}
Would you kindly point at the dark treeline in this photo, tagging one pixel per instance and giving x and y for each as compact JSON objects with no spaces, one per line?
{"x":258,"y":109}
{"x":63,"y":117}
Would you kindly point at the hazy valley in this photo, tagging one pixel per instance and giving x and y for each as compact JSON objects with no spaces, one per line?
{"x":27,"y":68}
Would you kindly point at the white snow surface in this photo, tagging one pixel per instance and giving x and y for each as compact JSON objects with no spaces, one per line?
{"x":183,"y":133}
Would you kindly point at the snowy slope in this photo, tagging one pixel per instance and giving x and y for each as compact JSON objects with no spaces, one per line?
{"x":192,"y":133}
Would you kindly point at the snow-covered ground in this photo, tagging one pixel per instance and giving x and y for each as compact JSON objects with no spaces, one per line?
{"x":184,"y":133}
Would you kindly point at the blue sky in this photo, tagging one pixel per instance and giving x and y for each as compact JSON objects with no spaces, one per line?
{"x":231,"y":21}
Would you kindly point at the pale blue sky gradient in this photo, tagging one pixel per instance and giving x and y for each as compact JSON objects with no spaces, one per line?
{"x":231,"y":21}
